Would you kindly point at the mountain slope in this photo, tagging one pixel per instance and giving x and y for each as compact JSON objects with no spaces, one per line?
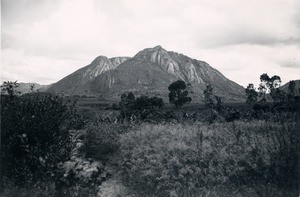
{"x":134,"y":75}
{"x":285,"y":87}
{"x":25,"y":87}
{"x":73,"y":83}
{"x":150,"y":71}
{"x":190,"y":70}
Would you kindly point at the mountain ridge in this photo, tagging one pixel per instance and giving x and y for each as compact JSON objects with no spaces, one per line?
{"x":151,"y":70}
{"x":78,"y":78}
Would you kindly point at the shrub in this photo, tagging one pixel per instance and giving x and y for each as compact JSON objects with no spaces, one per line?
{"x":261,"y":106}
{"x":232,"y":114}
{"x":141,"y":108}
{"x":115,"y":107}
{"x":35,"y":137}
{"x":144,"y":102}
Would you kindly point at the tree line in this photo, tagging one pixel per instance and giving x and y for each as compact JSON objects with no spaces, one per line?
{"x":268,"y":96}
{"x":269,"y":90}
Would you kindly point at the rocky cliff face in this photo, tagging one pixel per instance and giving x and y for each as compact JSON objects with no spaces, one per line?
{"x":198,"y":73}
{"x":150,"y":71}
{"x":139,"y":76}
{"x":74,"y":83}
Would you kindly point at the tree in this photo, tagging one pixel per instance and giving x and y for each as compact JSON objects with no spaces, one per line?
{"x":262,"y":91}
{"x":179,"y":94}
{"x":32,"y":88}
{"x":292,"y":98}
{"x":157,"y":102}
{"x":127,"y":101}
{"x":269,"y":85}
{"x":9,"y":88}
{"x":278,"y":95}
{"x":219,"y":105}
{"x":130,"y":97}
{"x":251,"y":94}
{"x":144,"y":102}
{"x":292,"y":88}
{"x":209,"y":96}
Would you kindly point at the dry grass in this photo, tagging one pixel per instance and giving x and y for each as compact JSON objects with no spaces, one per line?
{"x":222,"y":159}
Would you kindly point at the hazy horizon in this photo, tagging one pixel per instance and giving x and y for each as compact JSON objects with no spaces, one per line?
{"x":44,"y":41}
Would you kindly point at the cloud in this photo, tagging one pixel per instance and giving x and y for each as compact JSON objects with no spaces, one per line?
{"x":26,"y":11}
{"x":222,"y":23}
{"x":24,"y":67}
{"x":290,"y":64}
{"x":236,"y":37}
{"x":252,"y":38}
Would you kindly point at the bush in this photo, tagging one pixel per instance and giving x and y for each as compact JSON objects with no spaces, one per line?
{"x":35,"y":137}
{"x":101,"y":140}
{"x":144,"y":102}
{"x":261,"y":106}
{"x":141,"y":108}
{"x":232,"y":114}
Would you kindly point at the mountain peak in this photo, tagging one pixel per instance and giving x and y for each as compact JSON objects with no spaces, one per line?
{"x":100,"y":58}
{"x":148,"y":52}
{"x":158,"y":47}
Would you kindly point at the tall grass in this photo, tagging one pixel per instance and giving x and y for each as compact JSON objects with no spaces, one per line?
{"x":255,"y":158}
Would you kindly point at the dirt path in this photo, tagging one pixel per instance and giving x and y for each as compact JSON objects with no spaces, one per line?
{"x":113,"y":186}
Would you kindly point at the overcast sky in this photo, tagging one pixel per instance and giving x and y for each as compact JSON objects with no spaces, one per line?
{"x":44,"y":40}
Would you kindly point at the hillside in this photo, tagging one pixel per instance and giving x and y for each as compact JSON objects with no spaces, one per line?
{"x":285,"y":87}
{"x":74,"y":83}
{"x":25,"y":87}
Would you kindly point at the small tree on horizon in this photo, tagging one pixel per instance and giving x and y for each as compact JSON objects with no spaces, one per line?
{"x":179,"y":94}
{"x":219,"y":104}
{"x":10,"y":88}
{"x":292,"y":88}
{"x":270,"y":85}
{"x":209,"y":96}
{"x":251,"y":94}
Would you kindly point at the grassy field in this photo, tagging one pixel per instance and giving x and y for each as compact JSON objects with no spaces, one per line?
{"x":223,"y":159}
{"x":197,"y":158}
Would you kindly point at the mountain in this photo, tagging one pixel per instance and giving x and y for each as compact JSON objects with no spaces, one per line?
{"x":150,"y":72}
{"x":285,"y":87}
{"x":136,"y":75}
{"x":73,"y":83}
{"x":25,"y":87}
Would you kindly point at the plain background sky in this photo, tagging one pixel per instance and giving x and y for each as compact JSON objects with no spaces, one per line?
{"x":44,"y":40}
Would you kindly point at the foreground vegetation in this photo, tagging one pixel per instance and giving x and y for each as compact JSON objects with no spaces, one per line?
{"x":256,"y":158}
{"x":49,"y":149}
{"x":37,"y":147}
